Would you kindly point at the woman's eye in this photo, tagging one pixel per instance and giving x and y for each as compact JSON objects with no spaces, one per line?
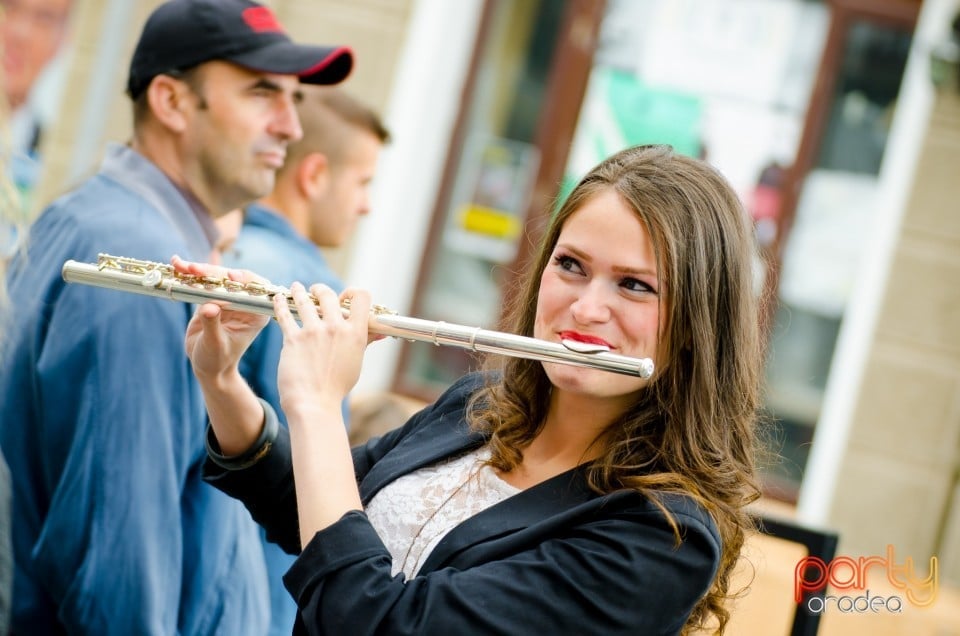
{"x":567,"y":263}
{"x":634,"y":284}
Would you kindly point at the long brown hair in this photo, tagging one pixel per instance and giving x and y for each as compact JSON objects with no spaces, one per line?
{"x":692,"y":430}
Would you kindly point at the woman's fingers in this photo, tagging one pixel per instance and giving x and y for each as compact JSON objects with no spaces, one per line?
{"x":192,"y":268}
{"x":310,"y":307}
{"x":183,"y":266}
{"x":281,"y":310}
{"x":307,"y":310}
{"x":328,"y":303}
{"x":359,"y":300}
{"x":209,"y":312}
{"x":210,"y":321}
{"x":360,"y":311}
{"x":322,"y":308}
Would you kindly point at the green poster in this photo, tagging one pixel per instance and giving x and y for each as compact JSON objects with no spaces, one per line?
{"x":620,"y":110}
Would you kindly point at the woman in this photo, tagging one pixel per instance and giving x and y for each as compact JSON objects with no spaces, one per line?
{"x":544,"y":498}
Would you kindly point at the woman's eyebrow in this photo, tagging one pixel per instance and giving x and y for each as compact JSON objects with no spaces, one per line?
{"x":642,"y":271}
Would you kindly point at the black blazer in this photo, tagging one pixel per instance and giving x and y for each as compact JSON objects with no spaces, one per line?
{"x":554,"y":559}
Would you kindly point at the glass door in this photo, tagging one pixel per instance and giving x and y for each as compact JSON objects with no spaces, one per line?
{"x":835,"y":180}
{"x":494,"y":184}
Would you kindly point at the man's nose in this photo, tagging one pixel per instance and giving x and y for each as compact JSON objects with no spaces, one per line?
{"x":363,"y":208}
{"x":286,"y":122}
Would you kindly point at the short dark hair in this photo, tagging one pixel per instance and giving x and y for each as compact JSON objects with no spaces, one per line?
{"x":352,"y":111}
{"x":323,"y":111}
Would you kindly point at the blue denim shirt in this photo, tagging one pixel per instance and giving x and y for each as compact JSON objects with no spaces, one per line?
{"x":270,"y":246}
{"x":114,"y":531}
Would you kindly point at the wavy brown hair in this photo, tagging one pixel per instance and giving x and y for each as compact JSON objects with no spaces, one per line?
{"x":692,"y":430}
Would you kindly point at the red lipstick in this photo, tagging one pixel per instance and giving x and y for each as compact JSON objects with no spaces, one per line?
{"x":583,"y":342}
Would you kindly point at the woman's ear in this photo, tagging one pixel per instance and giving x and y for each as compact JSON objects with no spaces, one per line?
{"x":167,"y":99}
{"x":313,"y":175}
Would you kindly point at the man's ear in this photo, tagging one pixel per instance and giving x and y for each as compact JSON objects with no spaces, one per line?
{"x":167,"y":99}
{"x":313,"y":175}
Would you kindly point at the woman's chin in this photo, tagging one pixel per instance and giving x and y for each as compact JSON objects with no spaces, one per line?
{"x":591,"y":382}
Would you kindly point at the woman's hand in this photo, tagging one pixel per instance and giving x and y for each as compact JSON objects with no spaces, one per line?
{"x":320,"y":360}
{"x":319,"y":364}
{"x":217,"y":337}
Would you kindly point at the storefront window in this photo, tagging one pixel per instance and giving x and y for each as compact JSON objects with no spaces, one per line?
{"x":484,"y":214}
{"x":733,"y":82}
{"x":823,"y":251}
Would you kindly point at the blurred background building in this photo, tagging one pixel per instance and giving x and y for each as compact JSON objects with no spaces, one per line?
{"x":838,"y":122}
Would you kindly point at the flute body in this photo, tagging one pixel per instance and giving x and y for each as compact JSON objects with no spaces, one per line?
{"x":161,"y":280}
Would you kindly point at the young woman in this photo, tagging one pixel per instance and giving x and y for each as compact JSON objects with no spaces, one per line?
{"x":539,"y":498}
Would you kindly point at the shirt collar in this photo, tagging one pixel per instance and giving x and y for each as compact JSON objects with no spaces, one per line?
{"x":184,"y":211}
{"x":259,"y":215}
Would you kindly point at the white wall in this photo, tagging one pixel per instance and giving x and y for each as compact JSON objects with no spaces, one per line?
{"x":420,"y":115}
{"x":859,"y":321}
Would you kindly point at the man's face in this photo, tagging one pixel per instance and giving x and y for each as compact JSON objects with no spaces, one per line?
{"x":30,"y":34}
{"x":334,"y":215}
{"x":237,"y":129}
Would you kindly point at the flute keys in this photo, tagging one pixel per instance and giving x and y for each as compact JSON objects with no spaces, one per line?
{"x":152,"y":278}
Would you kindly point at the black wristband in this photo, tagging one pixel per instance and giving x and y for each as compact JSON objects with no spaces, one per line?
{"x":246,"y":459}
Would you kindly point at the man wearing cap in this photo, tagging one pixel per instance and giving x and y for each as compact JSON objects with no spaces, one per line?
{"x":103,"y":427}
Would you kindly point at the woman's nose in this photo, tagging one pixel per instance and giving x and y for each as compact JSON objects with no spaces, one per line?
{"x":593,"y":305}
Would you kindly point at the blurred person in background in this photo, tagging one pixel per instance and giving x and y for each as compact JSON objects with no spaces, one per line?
{"x":114,"y":531}
{"x":10,"y":216}
{"x":320,"y":195}
{"x":32,"y":33}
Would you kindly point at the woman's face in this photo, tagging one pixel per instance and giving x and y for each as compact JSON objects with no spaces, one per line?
{"x":601,"y":287}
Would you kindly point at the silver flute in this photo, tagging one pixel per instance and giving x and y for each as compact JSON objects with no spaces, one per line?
{"x":161,"y":280}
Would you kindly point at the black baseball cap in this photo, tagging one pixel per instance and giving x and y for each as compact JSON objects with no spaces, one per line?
{"x":180,"y":34}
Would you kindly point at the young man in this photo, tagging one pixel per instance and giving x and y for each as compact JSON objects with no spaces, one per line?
{"x":321,"y":193}
{"x":113,"y":530}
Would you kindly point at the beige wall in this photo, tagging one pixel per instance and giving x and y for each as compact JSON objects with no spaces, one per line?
{"x":373,"y":28}
{"x":898,"y":480}
{"x":86,"y":38}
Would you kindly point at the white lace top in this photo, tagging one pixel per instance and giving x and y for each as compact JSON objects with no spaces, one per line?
{"x":413,"y":513}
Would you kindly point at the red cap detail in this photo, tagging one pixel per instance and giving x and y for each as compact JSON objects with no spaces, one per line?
{"x":333,"y":56}
{"x":262,"y":20}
